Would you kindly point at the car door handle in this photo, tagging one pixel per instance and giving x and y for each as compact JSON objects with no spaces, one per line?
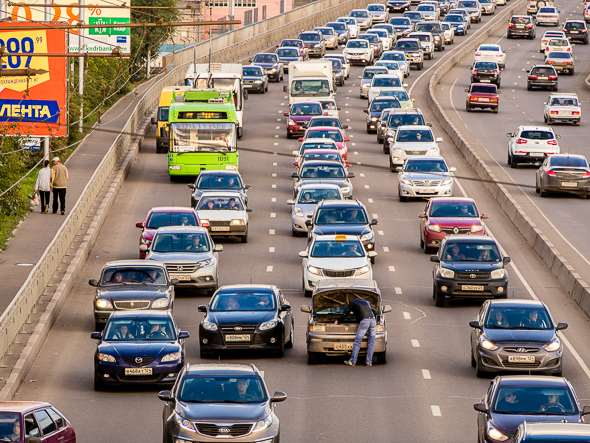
{"x":61,"y":438}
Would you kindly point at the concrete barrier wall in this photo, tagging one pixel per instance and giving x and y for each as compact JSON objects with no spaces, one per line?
{"x":575,"y":286}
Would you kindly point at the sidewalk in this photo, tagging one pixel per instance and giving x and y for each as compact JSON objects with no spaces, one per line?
{"x":38,"y":230}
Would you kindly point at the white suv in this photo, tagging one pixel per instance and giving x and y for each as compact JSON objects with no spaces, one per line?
{"x":426,"y":43}
{"x":359,"y":51}
{"x":531,"y":144}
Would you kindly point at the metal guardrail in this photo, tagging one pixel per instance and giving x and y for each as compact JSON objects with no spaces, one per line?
{"x":225,"y":47}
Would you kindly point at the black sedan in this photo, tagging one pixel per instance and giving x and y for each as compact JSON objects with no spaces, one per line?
{"x":513,"y":400}
{"x":564,"y":173}
{"x":486,"y":72}
{"x":255,"y":79}
{"x":272,"y":65}
{"x":398,"y":5}
{"x":246,"y":317}
{"x":515,"y":335}
{"x":218,"y":180}
{"x":138,"y":347}
{"x":376,"y":108}
{"x":469,"y":266}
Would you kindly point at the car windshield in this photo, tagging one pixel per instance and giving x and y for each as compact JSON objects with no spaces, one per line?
{"x":206,"y":181}
{"x":518,"y":318}
{"x":486,"y":65}
{"x":537,"y":135}
{"x":311,"y":155}
{"x":10,"y":427}
{"x":572,"y":162}
{"x":454,"y":18}
{"x":554,"y":55}
{"x":291,"y":43}
{"x":306,"y":109}
{"x":379,"y":32}
{"x":467,"y":251}
{"x":338,"y":26}
{"x":148,"y":275}
{"x":534,"y":400}
{"x":315,"y":37}
{"x":251,"y":71}
{"x":575,"y":25}
{"x":413,"y":15}
{"x":265,"y":58}
{"x":425,"y":8}
{"x":325,"y":122}
{"x":408,"y":45}
{"x":398,"y":56}
{"x":445,"y":26}
{"x":357,"y":44}
{"x":564,"y":101}
{"x":313,"y":196}
{"x":444,"y":209}
{"x":543,"y":71}
{"x":359,"y":14}
{"x":370,"y":73}
{"x":467,"y":5}
{"x":379,"y":105}
{"x":547,"y":10}
{"x":396,"y":120}
{"x":385,"y":114}
{"x":325,"y":133}
{"x":329,"y":105}
{"x":376,"y":8}
{"x":558,"y":42}
{"x":287,"y":52}
{"x":369,"y":37}
{"x":323,"y":171}
{"x":423,"y":37}
{"x":415,"y":135}
{"x":314,"y":145}
{"x":228,"y":300}
{"x":389,"y":65}
{"x":163,"y":219}
{"x":180,"y":242}
{"x":342,"y":216}
{"x":387,"y":82}
{"x":338,"y":248}
{"x":137,"y":328}
{"x":221,"y":203}
{"x":428,"y":27}
{"x":400,"y":95}
{"x":221,"y":389}
{"x":347,"y":20}
{"x":400,"y":21}
{"x":310,"y":88}
{"x":483,"y":89}
{"x":425,"y":165}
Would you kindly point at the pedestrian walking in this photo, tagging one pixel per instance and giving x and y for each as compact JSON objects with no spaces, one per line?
{"x":43,"y":186}
{"x":59,"y":184}
{"x":365,"y":315}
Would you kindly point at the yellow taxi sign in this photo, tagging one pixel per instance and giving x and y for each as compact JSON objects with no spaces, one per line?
{"x":341,"y":237}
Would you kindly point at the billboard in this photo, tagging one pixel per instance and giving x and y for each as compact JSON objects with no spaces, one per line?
{"x":36,"y":105}
{"x":97,"y":40}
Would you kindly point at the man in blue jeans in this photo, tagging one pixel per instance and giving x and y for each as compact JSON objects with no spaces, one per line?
{"x":365,"y":315}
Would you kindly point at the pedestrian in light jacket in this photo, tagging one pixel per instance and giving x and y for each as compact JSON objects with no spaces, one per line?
{"x":59,"y":184}
{"x":43,"y":186}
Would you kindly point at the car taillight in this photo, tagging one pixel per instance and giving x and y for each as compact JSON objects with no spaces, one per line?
{"x":499,"y":55}
{"x":520,"y":152}
{"x":549,"y":62}
{"x":532,"y":77}
{"x":564,"y":30}
{"x":529,"y":26}
{"x":552,"y":77}
{"x":569,"y":49}
{"x":494,"y":99}
{"x":551,"y":173}
{"x":511,"y":25}
{"x":575,"y":112}
{"x":584,"y":30}
{"x":552,"y":142}
{"x":586,"y":174}
{"x":474,"y":72}
{"x":521,"y":141}
{"x":566,"y":63}
{"x":205,"y":224}
{"x":496,"y":72}
{"x":478,"y":54}
{"x":554,"y":112}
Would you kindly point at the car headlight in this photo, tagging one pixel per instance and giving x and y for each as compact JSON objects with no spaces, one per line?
{"x":361,"y":271}
{"x":554,"y":345}
{"x":434,"y":228}
{"x":436,"y":38}
{"x":237,"y":221}
{"x":184,"y":423}
{"x":319,"y":45}
{"x":345,"y":189}
{"x":209,"y":325}
{"x":171,"y":357}
{"x":495,"y":434}
{"x":397,"y":150}
{"x":273,"y":70}
{"x":107,"y":357}
{"x":268,"y":325}
{"x":477,"y":228}
{"x":204,"y":263}
{"x":448,"y":181}
{"x":406,"y":182}
{"x":258,"y":81}
{"x":160,"y":303}
{"x":298,"y":212}
{"x":433,"y":151}
{"x":487,"y":344}
{"x":101,"y":303}
{"x":368,"y":236}
{"x":498,"y":273}
{"x":314,"y":270}
{"x":447,"y":273}
{"x":374,"y":119}
{"x":291,"y":122}
{"x":263,"y":424}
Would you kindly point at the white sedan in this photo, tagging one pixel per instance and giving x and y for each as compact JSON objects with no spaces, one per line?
{"x":384,"y":36}
{"x":335,"y":257}
{"x":410,"y":141}
{"x":224,"y":214}
{"x":548,"y":15}
{"x":490,"y":53}
{"x":548,"y":36}
{"x":558,"y":45}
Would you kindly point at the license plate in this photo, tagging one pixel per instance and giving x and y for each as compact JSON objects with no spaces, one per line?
{"x":484,"y":99}
{"x":573,"y":32}
{"x":182,"y":277}
{"x":472,"y":288}
{"x":426,"y":191}
{"x":220,"y":228}
{"x":521,"y":358}
{"x":343,"y":346}
{"x":536,"y":154}
{"x":138,"y":371}
{"x":569,"y":184}
{"x":485,"y":81}
{"x":520,"y":26}
{"x":565,"y":112}
{"x":543,"y":78}
{"x":235,"y":337}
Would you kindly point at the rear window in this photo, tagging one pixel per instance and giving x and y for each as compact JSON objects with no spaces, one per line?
{"x":556,"y":54}
{"x":489,"y":48}
{"x":564,"y":101}
{"x":558,"y":42}
{"x":484,"y":89}
{"x":575,"y":25}
{"x":520,"y":20}
{"x":547,"y":10}
{"x":574,"y":162}
{"x":543,"y":71}
{"x":537,"y":135}
{"x":485,"y":65}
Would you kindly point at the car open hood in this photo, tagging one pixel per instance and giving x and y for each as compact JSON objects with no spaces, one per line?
{"x":342,"y":296}
{"x":241,"y":317}
{"x":223,"y":412}
{"x":510,"y":423}
{"x":331,"y":229}
{"x":519,"y":335}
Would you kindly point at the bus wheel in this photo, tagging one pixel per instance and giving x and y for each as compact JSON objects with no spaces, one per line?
{"x":240,"y":132}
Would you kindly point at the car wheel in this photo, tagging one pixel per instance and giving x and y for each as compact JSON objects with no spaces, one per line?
{"x":281,"y":350}
{"x":160,"y":149}
{"x":98,"y":386}
{"x":513,"y":162}
{"x":244,"y":238}
{"x":472,"y":359}
{"x":312,"y":358}
{"x":289,"y":343}
{"x":439,"y":298}
{"x":265,"y":89}
{"x":548,"y":121}
{"x":510,"y":36}
{"x":577,"y":123}
{"x":537,"y":189}
{"x":528,"y":87}
{"x":543,"y":194}
{"x":420,"y":66}
{"x":468,"y":108}
{"x":555,"y":88}
{"x":381,"y":358}
{"x":478,"y":372}
{"x":401,"y":197}
{"x":496,"y":109}
{"x":306,"y":293}
{"x":427,"y":249}
{"x":572,"y":72}
{"x":391,"y":165}
{"x":379,"y":139}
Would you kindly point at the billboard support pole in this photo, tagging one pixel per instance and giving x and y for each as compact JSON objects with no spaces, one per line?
{"x":81,"y":69}
{"x":46,"y":148}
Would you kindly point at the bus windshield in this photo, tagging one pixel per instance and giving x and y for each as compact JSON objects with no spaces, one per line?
{"x":203,"y":137}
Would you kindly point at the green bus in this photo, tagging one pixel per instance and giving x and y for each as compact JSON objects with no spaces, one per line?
{"x":203,"y":133}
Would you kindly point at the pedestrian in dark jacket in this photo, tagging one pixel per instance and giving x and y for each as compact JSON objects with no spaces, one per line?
{"x":365,"y":315}
{"x":59,"y":184}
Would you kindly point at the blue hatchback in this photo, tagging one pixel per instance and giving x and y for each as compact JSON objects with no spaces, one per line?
{"x":138,"y":347}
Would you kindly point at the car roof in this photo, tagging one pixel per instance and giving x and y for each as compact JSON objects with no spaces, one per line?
{"x":319,"y":139}
{"x":425,"y":158}
{"x":153,"y":263}
{"x":408,"y":127}
{"x":548,"y":431}
{"x":324,"y":128}
{"x":330,"y":186}
{"x":535,"y":380}
{"x":246,"y":287}
{"x":452,"y":200}
{"x":416,"y":111}
{"x":222,"y":369}
{"x":335,"y":237}
{"x":322,"y":163}
{"x":536,"y":128}
{"x":504,"y":303}
{"x":22,"y":406}
{"x":171,"y":209}
{"x":470,"y":238}
{"x":213,"y":192}
{"x":189,"y":229}
{"x":335,"y":283}
{"x":340,"y":203}
{"x":140,"y":313}
{"x":564,"y":94}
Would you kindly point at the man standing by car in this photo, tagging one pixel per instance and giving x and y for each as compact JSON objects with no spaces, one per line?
{"x":365,"y":315}
{"x":59,"y":184}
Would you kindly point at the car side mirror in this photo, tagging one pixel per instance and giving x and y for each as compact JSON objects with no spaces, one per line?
{"x":475,"y":324}
{"x":246,"y":187}
{"x":561,"y":326}
{"x":143,"y":248}
{"x":295,"y":152}
{"x":422,"y":215}
{"x":360,"y":78}
{"x":399,"y":168}
{"x":528,"y":71}
{"x":300,"y":139}
{"x":351,"y":175}
{"x":294,"y":175}
{"x":278,"y":396}
{"x":585,"y":410}
{"x":434,"y":259}
{"x":165,"y":396}
{"x":191,"y":186}
{"x":286,"y":114}
{"x":96,"y":336}
{"x":153,"y":121}
{"x":305,"y":308}
{"x":218,"y":248}
{"x":291,"y":202}
{"x":452,"y":169}
{"x":250,"y":60}
{"x":308,"y":223}
{"x":345,"y":126}
{"x":339,"y":109}
{"x":285,"y":88}
{"x":480,"y":407}
{"x":405,"y":85}
{"x":439,"y":139}
{"x":139,"y":225}
{"x":499,"y":92}
{"x":248,"y":210}
{"x":508,"y":134}
{"x":202,"y":308}
{"x":285,"y":307}
{"x":506,"y":260}
{"x":347,"y":139}
{"x":366,"y":111}
{"x":93,"y":282}
{"x":303,"y":253}
{"x":183,"y":335}
{"x":429,"y":124}
{"x":466,"y":90}
{"x":558,"y":136}
{"x":372,"y":254}
{"x":374,"y":221}
{"x":484,"y":216}
{"x":174,"y":281}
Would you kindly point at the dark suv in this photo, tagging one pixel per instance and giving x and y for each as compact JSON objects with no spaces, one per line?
{"x":438,"y":34}
{"x":228,"y":401}
{"x":343,"y":217}
{"x":576,"y":30}
{"x":542,"y":76}
{"x":469,"y":266}
{"x":522,"y":26}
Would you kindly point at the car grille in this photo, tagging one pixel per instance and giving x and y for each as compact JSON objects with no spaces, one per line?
{"x":187,"y":268}
{"x":144,"y":361}
{"x":426,"y":182}
{"x":521,"y":350}
{"x":233,"y":330}
{"x":219,"y":222}
{"x":521,"y":365}
{"x":415,"y":152}
{"x":213,"y":430}
{"x":138,"y":379}
{"x":248,"y":82}
{"x":468,"y":276}
{"x":452,"y":230}
{"x":338,"y":274}
{"x":132,"y":304}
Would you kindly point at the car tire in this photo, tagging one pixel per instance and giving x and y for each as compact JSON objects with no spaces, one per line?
{"x":244,"y":238}
{"x":281,"y":350}
{"x":401,"y":197}
{"x":391,"y":165}
{"x":548,"y":121}
{"x":379,"y":139}
{"x":98,"y":386}
{"x":420,"y":66}
{"x":478,"y":372}
{"x":439,"y":298}
{"x":577,"y":123}
{"x":513,"y":162}
{"x":528,"y":87}
{"x":381,"y":358}
{"x":291,"y":340}
{"x":555,"y":88}
{"x":312,"y":358}
{"x":537,"y":189}
{"x":160,"y":150}
{"x":98,"y":326}
{"x":509,"y":36}
{"x":496,"y":109}
{"x":385,"y":148}
{"x":543,"y":194}
{"x":468,"y":108}
{"x":265,"y":89}
{"x":306,"y":293}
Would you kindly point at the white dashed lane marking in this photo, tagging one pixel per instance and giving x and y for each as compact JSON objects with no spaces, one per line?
{"x":367,"y":187}
{"x":391,"y":268}
{"x":362,"y":174}
{"x":274,"y":174}
{"x":435,"y":410}
{"x":407,"y":316}
{"x":274,"y":164}
{"x":380,"y":233}
{"x":426,"y":374}
{"x":385,"y":249}
{"x":271,"y":231}
{"x":273,"y":200}
{"x":269,"y":269}
{"x":273,"y":214}
{"x":370,"y":200}
{"x":274,"y":186}
{"x":375,"y":216}
{"x":398,"y":291}
{"x":415,"y":343}
{"x":271,"y":249}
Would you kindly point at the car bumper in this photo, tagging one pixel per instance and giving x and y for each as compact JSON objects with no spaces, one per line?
{"x":215,"y":231}
{"x":311,"y":280}
{"x":399,"y":158}
{"x":498,"y":360}
{"x":460,"y":288}
{"x":582,"y":36}
{"x":205,"y":277}
{"x":556,"y":185}
{"x":296,"y":129}
{"x":520,"y":32}
{"x":255,"y":87}
{"x":352,"y":59}
{"x":543,"y":20}
{"x":180,"y":435}
{"x":328,"y":343}
{"x":563,"y":69}
{"x":113,"y":373}
{"x":422,"y":191}
{"x":528,"y":158}
{"x":315,"y":51}
{"x":564,"y":118}
{"x":298,"y":223}
{"x":215,"y":341}
{"x":482,"y":105}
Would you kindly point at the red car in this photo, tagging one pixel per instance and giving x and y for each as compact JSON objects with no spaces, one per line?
{"x":295,"y":42}
{"x":164,"y":216}
{"x":483,"y":97}
{"x":299,"y":116}
{"x":332,"y":133}
{"x":34,"y":422}
{"x":449,"y":215}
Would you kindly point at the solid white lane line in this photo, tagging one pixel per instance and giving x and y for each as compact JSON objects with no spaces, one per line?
{"x":398,"y":291}
{"x":271,"y":249}
{"x":273,"y":214}
{"x":271,"y":232}
{"x":407,"y":316}
{"x":435,"y":410}
{"x":391,"y":268}
{"x":375,"y":216}
{"x":269,"y":269}
{"x":415,"y":343}
{"x":426,"y":374}
{"x":385,"y":249}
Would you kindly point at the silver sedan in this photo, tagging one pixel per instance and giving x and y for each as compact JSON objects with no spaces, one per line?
{"x":305,"y":203}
